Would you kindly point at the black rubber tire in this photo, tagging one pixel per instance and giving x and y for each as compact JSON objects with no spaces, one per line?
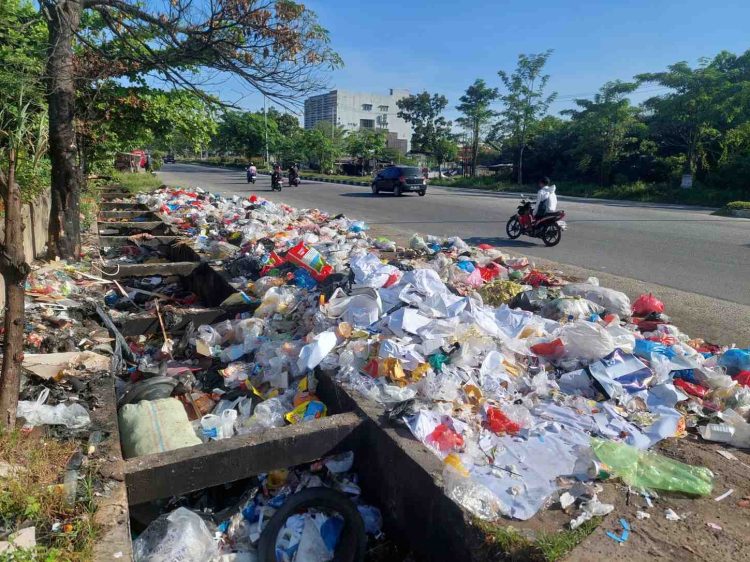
{"x":422,"y":192}
{"x":397,"y":191}
{"x":551,"y":235}
{"x":352,"y":542}
{"x":375,"y":189}
{"x":513,"y":227}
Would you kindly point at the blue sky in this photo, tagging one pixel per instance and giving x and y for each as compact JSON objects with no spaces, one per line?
{"x":444,"y":46}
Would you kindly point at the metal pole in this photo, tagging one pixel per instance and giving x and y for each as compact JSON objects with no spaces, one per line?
{"x":265,"y":124}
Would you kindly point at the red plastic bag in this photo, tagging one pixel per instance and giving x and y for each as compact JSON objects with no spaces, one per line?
{"x":445,"y":439}
{"x":485,"y":247}
{"x":498,"y":422}
{"x":743,"y":378}
{"x":647,"y":304}
{"x":311,"y":260}
{"x":536,"y":278}
{"x":690,"y":388}
{"x":554,"y":348}
{"x":491,"y":271}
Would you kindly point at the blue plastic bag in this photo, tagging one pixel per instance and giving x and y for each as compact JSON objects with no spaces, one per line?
{"x":644,"y":348}
{"x":736,"y":359}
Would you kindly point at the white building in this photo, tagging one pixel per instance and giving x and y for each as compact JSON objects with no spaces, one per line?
{"x":356,"y":111}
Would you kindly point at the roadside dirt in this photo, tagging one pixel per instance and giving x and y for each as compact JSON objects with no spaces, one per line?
{"x":695,"y":536}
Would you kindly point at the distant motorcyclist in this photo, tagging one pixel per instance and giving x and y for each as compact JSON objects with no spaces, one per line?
{"x":293,"y":174}
{"x":546,"y":199}
{"x":276,"y":177}
{"x":252,"y":171}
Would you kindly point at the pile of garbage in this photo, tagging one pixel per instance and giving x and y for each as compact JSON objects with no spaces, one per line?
{"x":524,"y":383}
{"x":300,"y":514}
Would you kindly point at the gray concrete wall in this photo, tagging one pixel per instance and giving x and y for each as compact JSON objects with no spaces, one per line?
{"x":35,"y":221}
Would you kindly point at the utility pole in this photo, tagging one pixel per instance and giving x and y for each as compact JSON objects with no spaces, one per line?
{"x":265,"y":124}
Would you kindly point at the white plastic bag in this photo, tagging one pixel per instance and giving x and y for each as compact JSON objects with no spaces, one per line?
{"x":586,"y":341}
{"x":181,"y":535}
{"x":613,"y":301}
{"x":36,"y":413}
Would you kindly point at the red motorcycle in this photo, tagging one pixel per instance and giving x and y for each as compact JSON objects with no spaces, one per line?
{"x":549,"y":227}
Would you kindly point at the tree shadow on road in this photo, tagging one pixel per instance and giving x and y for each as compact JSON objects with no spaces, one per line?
{"x":499,"y":242}
{"x":384,"y":195}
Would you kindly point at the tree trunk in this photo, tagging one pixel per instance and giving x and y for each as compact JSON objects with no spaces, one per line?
{"x":520,"y":165}
{"x":474,"y":151}
{"x":14,"y":270}
{"x":63,"y":19}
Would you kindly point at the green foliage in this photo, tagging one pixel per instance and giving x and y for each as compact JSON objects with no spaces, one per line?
{"x":524,"y":102}
{"x":245,"y":133}
{"x":432,"y":132}
{"x":738,"y":205}
{"x":366,"y":143}
{"x":475,"y":105}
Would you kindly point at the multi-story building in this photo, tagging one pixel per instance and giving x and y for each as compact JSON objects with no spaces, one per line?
{"x":355,"y":111}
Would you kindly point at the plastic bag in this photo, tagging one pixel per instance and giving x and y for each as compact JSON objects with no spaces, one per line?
{"x":613,"y":301}
{"x":472,"y":495}
{"x":736,"y":359}
{"x":499,"y":292}
{"x":649,"y":470}
{"x":570,"y":307}
{"x":181,"y":535}
{"x":586,"y":341}
{"x":647,"y":304}
{"x":36,"y":413}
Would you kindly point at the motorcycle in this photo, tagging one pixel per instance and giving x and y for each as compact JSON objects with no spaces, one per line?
{"x":250,"y":177}
{"x":549,"y":228}
{"x":276,"y":183}
{"x":293,"y":180}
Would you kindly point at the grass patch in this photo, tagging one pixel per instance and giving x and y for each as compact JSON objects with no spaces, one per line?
{"x":365,"y":180}
{"x":33,"y":496}
{"x":511,"y":544}
{"x":136,"y":183}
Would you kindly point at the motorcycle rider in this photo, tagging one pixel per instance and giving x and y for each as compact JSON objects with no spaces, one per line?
{"x":292,"y":173}
{"x":252,"y":171}
{"x":546,"y":199}
{"x":276,"y":175}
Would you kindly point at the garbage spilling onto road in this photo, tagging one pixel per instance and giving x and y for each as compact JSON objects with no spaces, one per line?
{"x":529,"y":387}
{"x":303,"y":514}
{"x":504,"y":371}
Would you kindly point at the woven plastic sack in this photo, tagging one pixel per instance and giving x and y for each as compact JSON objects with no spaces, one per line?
{"x":613,"y":301}
{"x":155,"y":426}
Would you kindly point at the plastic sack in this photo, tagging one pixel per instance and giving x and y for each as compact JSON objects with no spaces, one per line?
{"x":651,"y":471}
{"x":36,"y":413}
{"x":181,"y":535}
{"x":647,"y":304}
{"x":570,"y":307}
{"x":155,"y":426}
{"x":612,"y":301}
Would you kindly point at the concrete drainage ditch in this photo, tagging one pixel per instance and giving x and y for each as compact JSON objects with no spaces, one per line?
{"x":395,"y":472}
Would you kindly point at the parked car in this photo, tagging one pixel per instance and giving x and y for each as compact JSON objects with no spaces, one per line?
{"x":399,"y":179}
{"x":169,"y":159}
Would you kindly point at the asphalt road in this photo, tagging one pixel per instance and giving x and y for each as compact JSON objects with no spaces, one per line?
{"x":678,"y":247}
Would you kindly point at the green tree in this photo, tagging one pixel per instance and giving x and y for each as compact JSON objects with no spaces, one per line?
{"x":525,"y":103}
{"x":603,"y":128}
{"x":366,"y":144}
{"x":432,"y":132}
{"x":287,"y":123}
{"x":245,"y":133}
{"x":277,"y":47}
{"x":475,"y":106}
{"x":324,"y":144}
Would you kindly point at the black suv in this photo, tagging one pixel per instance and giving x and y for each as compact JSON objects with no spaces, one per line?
{"x":399,"y":179}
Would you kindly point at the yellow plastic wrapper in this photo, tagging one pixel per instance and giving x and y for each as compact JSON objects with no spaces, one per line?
{"x":499,"y":292}
{"x":420,"y":371}
{"x":391,"y":367}
{"x":454,"y":461}
{"x":310,"y":410}
{"x":473,"y":394}
{"x":277,"y":478}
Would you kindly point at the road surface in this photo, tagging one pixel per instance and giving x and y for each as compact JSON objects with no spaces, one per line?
{"x":681,"y":248}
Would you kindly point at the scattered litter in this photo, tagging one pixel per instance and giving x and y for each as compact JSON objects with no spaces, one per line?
{"x":724,"y":495}
{"x":641,"y":515}
{"x":671,"y":515}
{"x":714,"y":526}
{"x":621,"y":538}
